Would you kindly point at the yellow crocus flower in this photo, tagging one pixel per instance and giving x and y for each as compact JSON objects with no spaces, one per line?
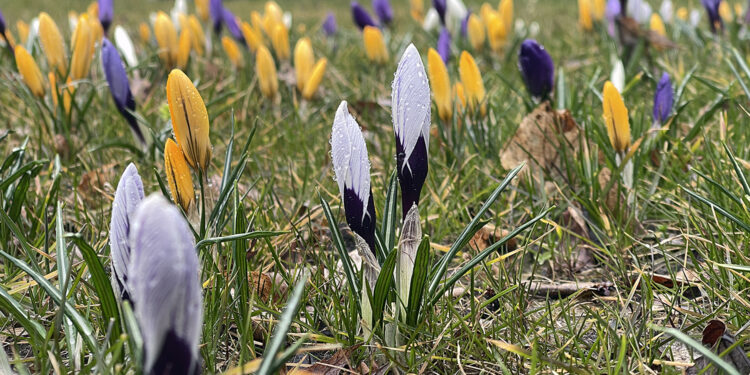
{"x":53,"y":87}
{"x":257,"y":21}
{"x":265,"y":69}
{"x":97,"y":31}
{"x":459,"y":96}
{"x":616,"y":118}
{"x":30,"y":72}
{"x":441,"y":84}
{"x":374,"y":45}
{"x":682,"y":13}
{"x":201,"y":7}
{"x":252,"y":36}
{"x":600,"y":7}
{"x":178,"y":175}
{"x":496,"y":32}
{"x":725,"y":11}
{"x":416,"y":8}
{"x":83,"y":49}
{"x":505,"y":9}
{"x":166,"y":39}
{"x":657,"y":25}
{"x":472,"y":82}
{"x":303,"y":62}
{"x":183,"y":48}
{"x":280,"y":41}
{"x":273,"y":10}
{"x":189,"y":119}
{"x":485,"y":12}
{"x":23,"y":31}
{"x":144,"y":32}
{"x":475,"y":32}
{"x":584,"y":15}
{"x":52,"y":43}
{"x":316,"y":77}
{"x":233,"y":52}
{"x":738,"y":11}
{"x":196,"y":33}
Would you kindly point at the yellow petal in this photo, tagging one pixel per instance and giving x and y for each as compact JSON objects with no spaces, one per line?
{"x":232,"y":51}
{"x":52,"y":44}
{"x":374,"y":45}
{"x":196,"y":33}
{"x":280,"y":41}
{"x":53,"y":87}
{"x":252,"y":36}
{"x":8,"y":37}
{"x":506,"y":12}
{"x":459,"y":97}
{"x":475,"y":30}
{"x":316,"y":77}
{"x":257,"y":21}
{"x":83,"y":49}
{"x":178,"y":175}
{"x":265,"y":69}
{"x":303,"y":62}
{"x":23,"y":31}
{"x":201,"y":7}
{"x":682,"y":13}
{"x":485,"y":12}
{"x":441,"y":84}
{"x":93,"y":9}
{"x":738,"y":11}
{"x":656,"y":25}
{"x":182,"y":53}
{"x":29,"y":71}
{"x":417,"y":10}
{"x":145,"y":33}
{"x":273,"y":10}
{"x":616,"y":117}
{"x":600,"y":7}
{"x":166,"y":38}
{"x":472,"y":81}
{"x":584,"y":15}
{"x":496,"y":32}
{"x":189,"y":119}
{"x":97,"y":31}
{"x":725,"y":11}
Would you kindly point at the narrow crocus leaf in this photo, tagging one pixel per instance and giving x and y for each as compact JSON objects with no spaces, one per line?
{"x":714,"y":19}
{"x":352,"y":168}
{"x":125,"y":45}
{"x":410,"y":106}
{"x":537,"y":68}
{"x":165,"y":288}
{"x":127,"y":196}
{"x":216,"y":10}
{"x":616,"y":118}
{"x":189,"y":119}
{"x":663,"y":99}
{"x":440,"y":7}
{"x":229,"y":19}
{"x":119,"y":86}
{"x":444,"y":45}
{"x":106,"y":12}
{"x":411,"y":236}
{"x":361,"y":17}
{"x":383,"y":10}
{"x":52,"y":44}
{"x":329,"y":24}
{"x":178,"y":175}
{"x":441,"y":84}
{"x":30,"y":72}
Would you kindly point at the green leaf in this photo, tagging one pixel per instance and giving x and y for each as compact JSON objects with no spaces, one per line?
{"x":418,"y":281}
{"x":718,"y":209}
{"x":338,"y":243}
{"x":11,"y":306}
{"x":389,"y":220}
{"x":240,"y":236}
{"x":382,"y":287}
{"x":737,"y":169}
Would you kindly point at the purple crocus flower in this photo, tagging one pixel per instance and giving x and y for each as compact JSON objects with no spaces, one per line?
{"x":216,"y":10}
{"x":106,"y":12}
{"x":465,"y":25}
{"x":537,"y":68}
{"x":411,"y":109}
{"x":361,"y":17}
{"x":383,"y":10}
{"x":119,"y":86}
{"x":127,"y":196}
{"x":714,"y":19}
{"x":165,"y":288}
{"x":329,"y":25}
{"x":352,"y":167}
{"x":613,"y":10}
{"x":2,"y":24}
{"x":663,"y":100}
{"x":444,"y":45}
{"x":230,"y":21}
{"x":440,"y":6}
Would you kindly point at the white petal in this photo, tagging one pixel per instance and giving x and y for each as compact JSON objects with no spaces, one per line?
{"x":125,"y":45}
{"x":286,"y":19}
{"x":666,"y":11}
{"x":695,"y":17}
{"x":410,"y":101}
{"x":455,"y":12}
{"x":431,"y":20}
{"x":618,"y":76}
{"x":349,"y":154}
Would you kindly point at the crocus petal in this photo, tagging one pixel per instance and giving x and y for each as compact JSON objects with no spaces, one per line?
{"x":618,"y":76}
{"x":125,"y":45}
{"x":106,"y":12}
{"x":233,"y":27}
{"x":233,"y":52}
{"x":189,"y":119}
{"x":216,"y":10}
{"x":83,"y":49}
{"x":352,"y":168}
{"x":383,"y":10}
{"x":666,"y":10}
{"x":127,"y":196}
{"x":656,"y":25}
{"x":165,"y":287}
{"x":471,"y":79}
{"x":613,"y":10}
{"x":166,"y":38}
{"x":411,"y":109}
{"x":663,"y":99}
{"x":29,"y":70}
{"x":280,"y":41}
{"x":303,"y":62}
{"x":537,"y":68}
{"x":265,"y":69}
{"x":441,"y":84}
{"x":444,"y":45}
{"x":440,"y":6}
{"x":431,"y":20}
{"x":119,"y":86}
{"x":52,"y":43}
{"x":455,"y":12}
{"x":178,"y":175}
{"x":360,"y":16}
{"x":329,"y":25}
{"x":475,"y":31}
{"x":616,"y":118}
{"x":253,"y":37}
{"x":714,"y":19}
{"x":375,"y":45}
{"x":316,"y":77}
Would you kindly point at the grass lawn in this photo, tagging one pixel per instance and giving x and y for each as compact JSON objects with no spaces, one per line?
{"x":622,"y":273}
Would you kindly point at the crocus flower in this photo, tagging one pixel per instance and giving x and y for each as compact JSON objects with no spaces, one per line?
{"x":361,"y":17}
{"x":83,"y":49}
{"x":329,"y":25}
{"x":441,"y":84}
{"x":233,"y":52}
{"x":496,"y":32}
{"x":352,"y":168}
{"x":316,"y":77}
{"x":656,"y":25}
{"x":233,"y":27}
{"x":440,"y":7}
{"x":119,"y":86}
{"x":459,"y":97}
{"x":616,"y":118}
{"x":613,"y":10}
{"x":165,"y":288}
{"x":253,"y":37}
{"x":506,"y":12}
{"x":639,"y":10}
{"x":303,"y":62}
{"x":52,"y":43}
{"x":178,"y":175}
{"x":23,"y":31}
{"x":30,"y":72}
{"x":411,"y":109}
{"x":472,"y":82}
{"x":725,"y":12}
{"x":201,"y":8}
{"x":618,"y":75}
{"x":125,"y":45}
{"x":106,"y":11}
{"x":431,"y":20}
{"x":166,"y":39}
{"x":216,"y":10}
{"x":144,"y":32}
{"x":383,"y":10}
{"x":455,"y":12}
{"x":584,"y":15}
{"x":666,"y":11}
{"x":416,"y":9}
{"x":663,"y":100}
{"x":444,"y":45}
{"x":189,"y":120}
{"x":465,"y":25}
{"x":695,"y":18}
{"x":265,"y":69}
{"x":184,"y":43}
{"x":714,"y":20}
{"x":2,"y":24}
{"x":599,"y":8}
{"x":280,"y":41}
{"x":127,"y":196}
{"x":475,"y":32}
{"x":375,"y":45}
{"x":537,"y":68}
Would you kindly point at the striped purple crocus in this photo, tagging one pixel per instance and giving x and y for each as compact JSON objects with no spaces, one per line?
{"x":119,"y":86}
{"x":127,"y":196}
{"x":537,"y":68}
{"x":361,"y":17}
{"x":663,"y":100}
{"x":165,"y":288}
{"x":106,"y":13}
{"x":383,"y":10}
{"x":411,"y":109}
{"x":329,"y":25}
{"x":714,"y":19}
{"x":444,"y":45}
{"x":352,"y":167}
{"x":440,"y":6}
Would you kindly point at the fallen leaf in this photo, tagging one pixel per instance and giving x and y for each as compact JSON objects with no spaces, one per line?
{"x":562,"y":290}
{"x":338,"y":362}
{"x":716,"y":337}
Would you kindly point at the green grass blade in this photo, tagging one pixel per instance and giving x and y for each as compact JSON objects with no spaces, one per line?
{"x":338,"y":243}
{"x":382,"y":287}
{"x":390,"y":219}
{"x":737,"y":169}
{"x":718,"y":209}
{"x":10,"y":306}
{"x":235,"y":237}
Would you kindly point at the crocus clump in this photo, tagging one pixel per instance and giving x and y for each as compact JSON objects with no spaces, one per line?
{"x":537,"y":68}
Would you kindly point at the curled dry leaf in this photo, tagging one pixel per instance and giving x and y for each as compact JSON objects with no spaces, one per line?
{"x":338,"y":363}
{"x":488,"y":235}
{"x":563,"y":290}
{"x":717,"y":337}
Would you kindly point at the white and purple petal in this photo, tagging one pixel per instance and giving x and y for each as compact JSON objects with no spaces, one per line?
{"x":127,"y":196}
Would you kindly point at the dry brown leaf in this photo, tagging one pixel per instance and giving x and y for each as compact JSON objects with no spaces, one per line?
{"x":92,"y":182}
{"x":562,"y":290}
{"x":338,"y":363}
